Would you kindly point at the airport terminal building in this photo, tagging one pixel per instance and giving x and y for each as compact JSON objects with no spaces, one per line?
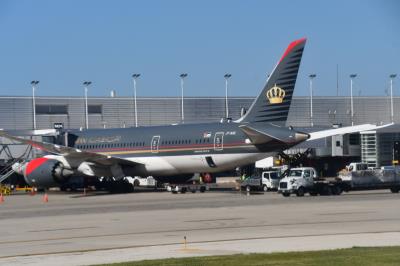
{"x":376,"y":148}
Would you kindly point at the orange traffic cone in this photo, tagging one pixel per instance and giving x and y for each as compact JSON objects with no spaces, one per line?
{"x":45,"y":198}
{"x":1,"y":198}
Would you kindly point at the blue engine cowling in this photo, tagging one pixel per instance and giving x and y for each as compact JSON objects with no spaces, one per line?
{"x":45,"y":173}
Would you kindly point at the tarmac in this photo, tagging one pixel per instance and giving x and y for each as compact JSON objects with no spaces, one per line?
{"x":73,"y":229}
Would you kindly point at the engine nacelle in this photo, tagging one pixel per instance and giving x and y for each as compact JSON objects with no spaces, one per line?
{"x":45,"y":173}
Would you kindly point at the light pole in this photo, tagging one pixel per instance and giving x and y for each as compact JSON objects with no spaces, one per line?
{"x":352,"y":76}
{"x":34,"y":83}
{"x":86,"y":85}
{"x":135,"y":77}
{"x":311,"y":76}
{"x":183,"y":76}
{"x":226,"y":76}
{"x":392,"y":76}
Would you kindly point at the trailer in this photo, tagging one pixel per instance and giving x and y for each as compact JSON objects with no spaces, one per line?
{"x":356,"y":177}
{"x":183,"y":188}
{"x":387,"y":177}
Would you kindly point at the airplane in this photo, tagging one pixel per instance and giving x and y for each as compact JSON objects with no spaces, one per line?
{"x":176,"y":152}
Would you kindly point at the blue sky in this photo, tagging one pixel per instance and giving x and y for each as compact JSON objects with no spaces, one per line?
{"x":63,"y":43}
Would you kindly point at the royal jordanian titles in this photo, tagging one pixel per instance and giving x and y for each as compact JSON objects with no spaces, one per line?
{"x":174,"y":151}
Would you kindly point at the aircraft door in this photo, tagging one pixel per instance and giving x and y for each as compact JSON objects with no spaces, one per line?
{"x":219,"y":141}
{"x":155,"y":141}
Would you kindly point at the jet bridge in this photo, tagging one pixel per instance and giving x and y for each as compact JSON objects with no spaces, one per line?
{"x":12,"y":152}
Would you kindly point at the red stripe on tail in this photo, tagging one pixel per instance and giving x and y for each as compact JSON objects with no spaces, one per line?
{"x":291,"y":47}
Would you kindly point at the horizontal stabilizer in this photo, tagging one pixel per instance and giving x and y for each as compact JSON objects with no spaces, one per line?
{"x":257,"y":136}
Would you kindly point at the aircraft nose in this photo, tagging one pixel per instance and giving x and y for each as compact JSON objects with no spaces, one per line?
{"x":301,"y":136}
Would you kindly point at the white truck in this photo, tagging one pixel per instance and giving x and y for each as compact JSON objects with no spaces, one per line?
{"x":269,"y":180}
{"x":305,"y":180}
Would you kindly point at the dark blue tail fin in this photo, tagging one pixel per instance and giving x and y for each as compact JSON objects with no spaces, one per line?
{"x":273,"y":103}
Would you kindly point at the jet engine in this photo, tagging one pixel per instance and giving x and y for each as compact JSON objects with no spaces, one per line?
{"x":43,"y":172}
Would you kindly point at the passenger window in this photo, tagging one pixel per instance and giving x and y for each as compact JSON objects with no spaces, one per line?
{"x":307,"y":173}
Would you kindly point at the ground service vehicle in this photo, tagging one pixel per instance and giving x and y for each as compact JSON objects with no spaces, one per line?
{"x":387,"y":177}
{"x":183,"y":188}
{"x":357,"y":176}
{"x":138,"y":181}
{"x":305,"y":180}
{"x":269,"y":180}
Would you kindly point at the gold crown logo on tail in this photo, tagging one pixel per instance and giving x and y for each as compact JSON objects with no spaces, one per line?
{"x":275,"y":95}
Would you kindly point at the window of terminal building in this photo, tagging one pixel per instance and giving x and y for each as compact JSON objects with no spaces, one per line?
{"x":95,"y":109}
{"x":354,"y":139}
{"x":51,"y":109}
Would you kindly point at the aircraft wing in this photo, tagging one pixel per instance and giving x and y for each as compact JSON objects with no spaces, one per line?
{"x":71,"y":153}
{"x":344,"y":130}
